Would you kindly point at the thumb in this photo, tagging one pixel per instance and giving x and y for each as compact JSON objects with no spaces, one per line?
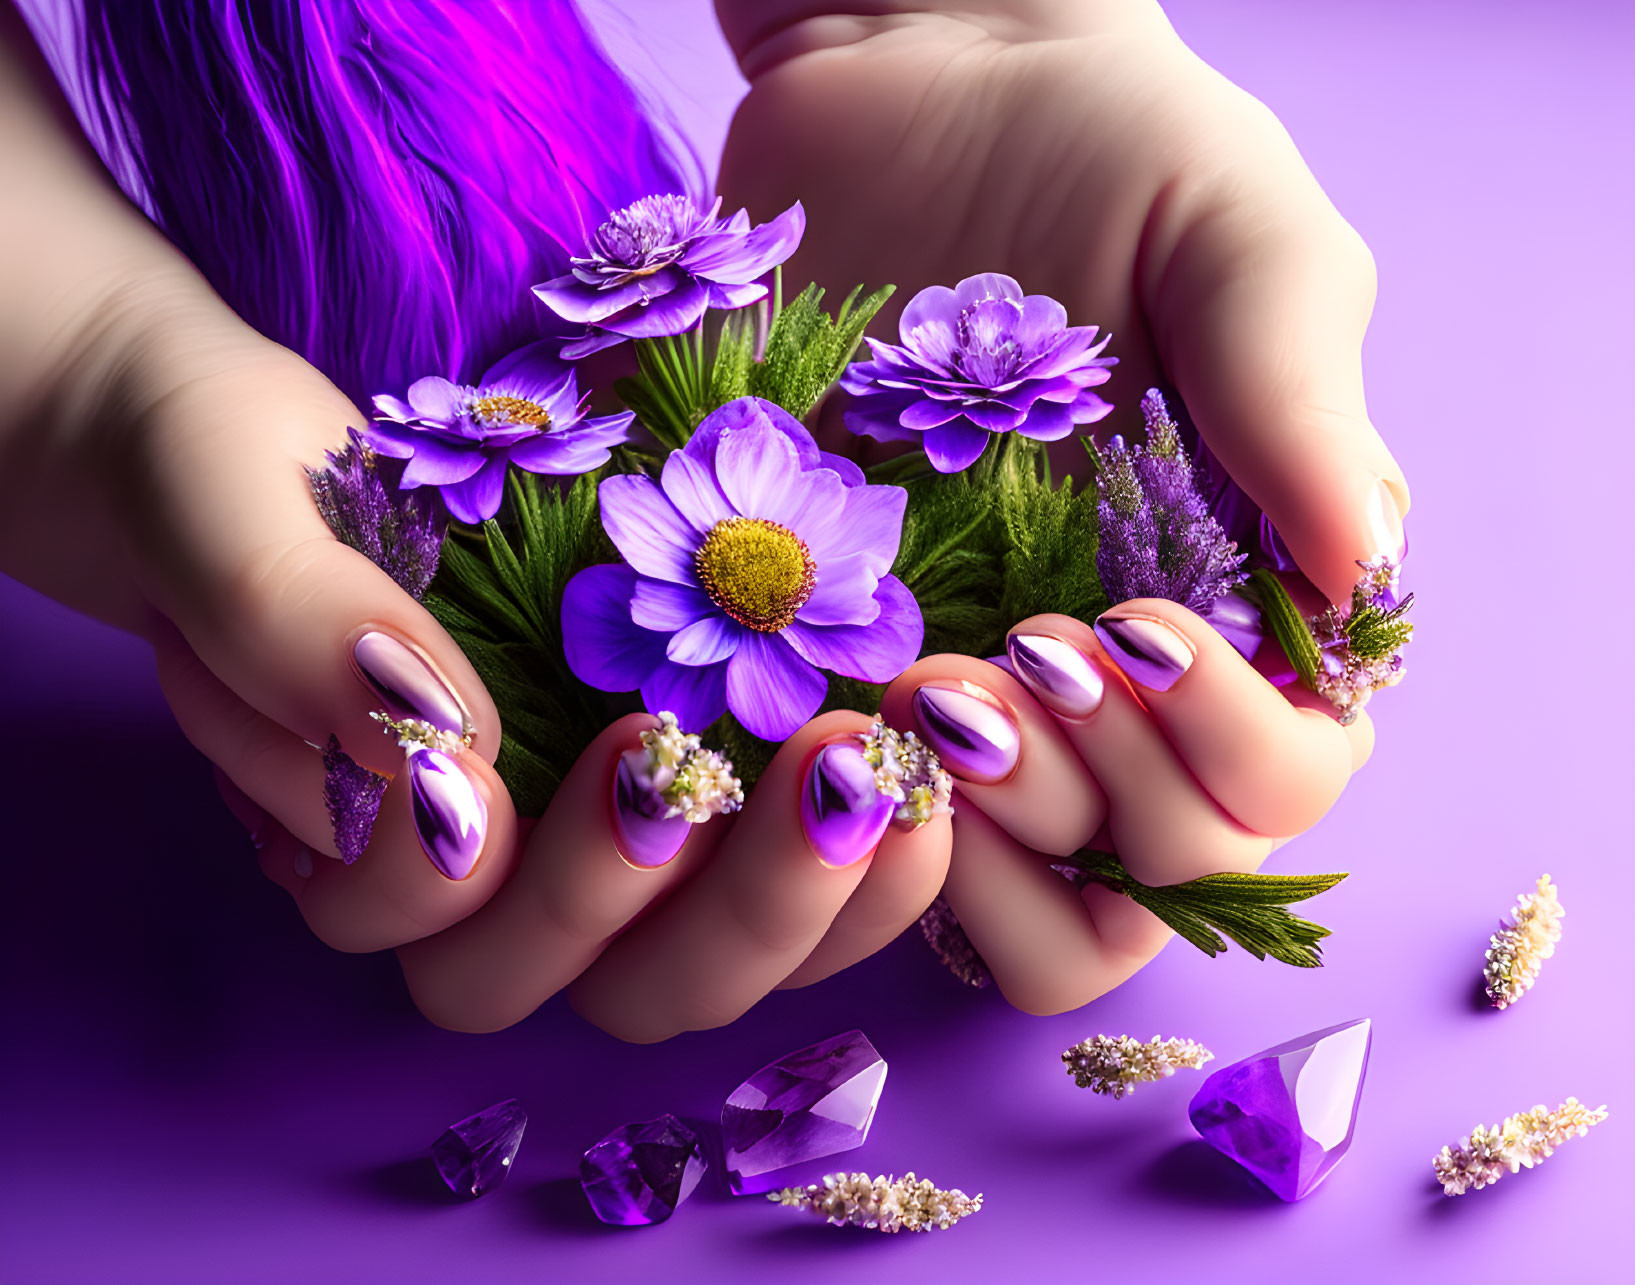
{"x":1259,"y":317}
{"x":231,"y":548}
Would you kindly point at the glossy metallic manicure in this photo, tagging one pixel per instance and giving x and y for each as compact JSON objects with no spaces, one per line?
{"x":974,"y":739}
{"x":1057,"y":672}
{"x":1149,"y":651}
{"x":841,"y":808}
{"x":646,"y":836}
{"x":406,"y":684}
{"x":449,"y":815}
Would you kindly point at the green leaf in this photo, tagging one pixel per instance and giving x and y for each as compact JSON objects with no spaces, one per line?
{"x":1289,"y":627}
{"x":1050,"y":535}
{"x":1247,"y":908}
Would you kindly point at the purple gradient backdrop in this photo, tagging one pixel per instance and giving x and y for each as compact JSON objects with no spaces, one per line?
{"x":195,"y":1091}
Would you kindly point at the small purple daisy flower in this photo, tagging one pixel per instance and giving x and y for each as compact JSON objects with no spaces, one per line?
{"x":979,"y":359}
{"x":656,"y":265}
{"x":754,"y":563}
{"x":526,"y":411}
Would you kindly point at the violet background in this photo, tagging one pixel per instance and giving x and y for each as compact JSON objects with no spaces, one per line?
{"x":193,"y":1090}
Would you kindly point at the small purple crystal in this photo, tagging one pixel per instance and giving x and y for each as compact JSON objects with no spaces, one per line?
{"x":639,"y":1173}
{"x":1287,"y":1115}
{"x":475,"y":1155}
{"x":808,"y":1105}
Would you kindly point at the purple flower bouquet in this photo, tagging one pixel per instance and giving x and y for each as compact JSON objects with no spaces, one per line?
{"x":696,"y":553}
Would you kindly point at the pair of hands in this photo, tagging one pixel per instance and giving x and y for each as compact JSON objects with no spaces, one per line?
{"x":1080,"y":148}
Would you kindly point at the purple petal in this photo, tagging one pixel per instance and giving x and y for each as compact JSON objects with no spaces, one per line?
{"x":876,"y":417}
{"x":954,"y":447}
{"x":844,"y":593}
{"x":539,"y":364}
{"x":695,"y":694}
{"x":576,"y":451}
{"x":750,"y":413}
{"x":874,"y":653}
{"x":770,"y":689}
{"x":1238,"y":620}
{"x":849,"y":472}
{"x":603,"y":646}
{"x":869,"y":522}
{"x":933,"y":306}
{"x":478,"y":497}
{"x":436,"y":398}
{"x":438,"y":464}
{"x":658,"y":604}
{"x":670,"y":314}
{"x":737,"y":296}
{"x":758,"y":470}
{"x":392,"y":407}
{"x":1042,"y":322}
{"x":693,"y":489}
{"x":646,"y":529}
{"x":761,"y":250}
{"x":592,"y":341}
{"x":987,"y":285}
{"x":706,"y":642}
{"x":573,"y":300}
{"x":1047,"y":422}
{"x":922,"y":415}
{"x":1087,"y":408}
{"x":394,"y":440}
{"x":994,"y":417}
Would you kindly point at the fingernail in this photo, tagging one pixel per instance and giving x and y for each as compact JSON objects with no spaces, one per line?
{"x":841,"y":809}
{"x":449,"y":815}
{"x":1385,"y":531}
{"x":406,"y":685}
{"x":645,"y":835}
{"x":972,"y":737}
{"x":303,"y":863}
{"x":1149,"y":651}
{"x":1057,"y":672}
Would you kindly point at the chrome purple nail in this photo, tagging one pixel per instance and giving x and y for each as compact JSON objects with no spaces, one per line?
{"x":406,"y":684}
{"x":449,"y":815}
{"x":645,"y":835}
{"x":974,"y":739}
{"x":841,"y":809}
{"x":1057,"y":672}
{"x":1149,"y":651}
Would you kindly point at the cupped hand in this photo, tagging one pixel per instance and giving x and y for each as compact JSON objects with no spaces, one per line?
{"x":1146,"y":734}
{"x":1080,"y":147}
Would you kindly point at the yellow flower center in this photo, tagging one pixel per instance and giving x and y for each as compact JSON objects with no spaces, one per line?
{"x":757,"y":571}
{"x":501,"y":408}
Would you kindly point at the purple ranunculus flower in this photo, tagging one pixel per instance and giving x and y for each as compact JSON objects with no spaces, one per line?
{"x":526,"y":411}
{"x":656,"y":265}
{"x":979,"y":359}
{"x":754,"y":563}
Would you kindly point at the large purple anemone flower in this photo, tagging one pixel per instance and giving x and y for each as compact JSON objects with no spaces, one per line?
{"x":978,"y":359}
{"x":755,"y":562}
{"x":526,"y":411}
{"x":655,"y":266}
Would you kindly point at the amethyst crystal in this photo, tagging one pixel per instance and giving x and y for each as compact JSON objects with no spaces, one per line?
{"x":639,"y":1173}
{"x":400,"y":533}
{"x":475,"y":1154}
{"x":352,"y":793}
{"x":808,"y":1105}
{"x":1158,"y":538}
{"x":1287,"y":1115}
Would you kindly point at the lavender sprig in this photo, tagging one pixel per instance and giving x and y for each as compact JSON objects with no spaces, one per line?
{"x":1158,"y":538}
{"x":352,"y":794}
{"x":1522,"y":1141}
{"x":881,"y":1203}
{"x":1518,"y":950}
{"x":399,"y":532}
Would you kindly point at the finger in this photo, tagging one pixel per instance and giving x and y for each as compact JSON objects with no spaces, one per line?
{"x":1164,"y":824}
{"x":1275,"y":767}
{"x":1007,"y":752}
{"x":1049,"y":948}
{"x":903,"y":879}
{"x":1258,"y":311}
{"x":764,"y":902}
{"x":444,"y":843}
{"x":232,"y":548}
{"x":584,"y":875}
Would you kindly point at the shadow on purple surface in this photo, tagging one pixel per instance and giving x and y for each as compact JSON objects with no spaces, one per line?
{"x":1193,"y":1173}
{"x":411,"y":1183}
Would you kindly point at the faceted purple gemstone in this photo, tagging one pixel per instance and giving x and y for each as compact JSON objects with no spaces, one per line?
{"x":639,"y":1173}
{"x":475,"y":1155}
{"x":1287,"y":1115}
{"x":807,"y":1105}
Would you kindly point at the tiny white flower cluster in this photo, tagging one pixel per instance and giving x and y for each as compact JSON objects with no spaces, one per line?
{"x":1114,"y":1064}
{"x":695,"y":782}
{"x":1516,"y":952}
{"x":1344,"y":679}
{"x":1521,"y":1142}
{"x":418,"y":734}
{"x":907,"y":771}
{"x":881,"y":1203}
